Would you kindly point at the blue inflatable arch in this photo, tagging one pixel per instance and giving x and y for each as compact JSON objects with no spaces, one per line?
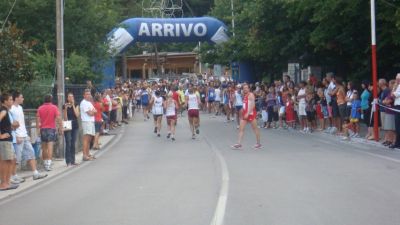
{"x":201,"y":29}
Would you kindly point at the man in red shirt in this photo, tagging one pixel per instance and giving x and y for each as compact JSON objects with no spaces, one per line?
{"x":46,"y":118}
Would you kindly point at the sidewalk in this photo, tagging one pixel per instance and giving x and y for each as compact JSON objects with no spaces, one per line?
{"x":59,"y":167}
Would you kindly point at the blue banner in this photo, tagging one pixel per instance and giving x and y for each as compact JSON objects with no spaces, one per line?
{"x":203,"y":29}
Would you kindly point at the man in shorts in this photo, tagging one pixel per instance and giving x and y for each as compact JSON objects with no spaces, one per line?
{"x":23,"y":147}
{"x":249,"y":115}
{"x":88,"y":113}
{"x":46,"y":118}
{"x":7,"y":155}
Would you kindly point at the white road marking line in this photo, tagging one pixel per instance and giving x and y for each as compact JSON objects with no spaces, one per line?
{"x":354,"y":148}
{"x":219,"y":213}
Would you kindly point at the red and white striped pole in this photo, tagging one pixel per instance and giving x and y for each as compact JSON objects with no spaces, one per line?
{"x":374,"y":70}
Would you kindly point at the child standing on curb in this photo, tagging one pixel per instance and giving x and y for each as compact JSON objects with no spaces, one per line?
{"x":355,"y":113}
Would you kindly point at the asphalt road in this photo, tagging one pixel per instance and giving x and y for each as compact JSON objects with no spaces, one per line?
{"x":296,"y":179}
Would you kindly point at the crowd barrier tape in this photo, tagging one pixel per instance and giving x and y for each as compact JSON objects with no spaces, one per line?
{"x":376,"y":103}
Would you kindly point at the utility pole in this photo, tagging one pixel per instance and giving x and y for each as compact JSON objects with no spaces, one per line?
{"x":233,"y":19}
{"x":60,"y":66}
{"x":374,"y":70}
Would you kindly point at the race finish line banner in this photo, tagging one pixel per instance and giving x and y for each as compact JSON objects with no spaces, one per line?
{"x":200,"y":29}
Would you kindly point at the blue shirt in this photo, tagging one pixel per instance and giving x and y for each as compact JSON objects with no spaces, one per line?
{"x":365,"y":99}
{"x":355,"y":109}
{"x":211,"y":94}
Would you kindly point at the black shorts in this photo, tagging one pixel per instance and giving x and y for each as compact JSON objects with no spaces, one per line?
{"x":113,"y":115}
{"x":342,"y":111}
{"x":48,"y":135}
{"x":310,"y":116}
{"x":156,"y":116}
{"x":335,"y":109}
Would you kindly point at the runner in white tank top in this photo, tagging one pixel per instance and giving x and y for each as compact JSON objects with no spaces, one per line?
{"x":171,"y":109}
{"x":217,"y":102}
{"x":193,"y":101}
{"x":157,"y":103}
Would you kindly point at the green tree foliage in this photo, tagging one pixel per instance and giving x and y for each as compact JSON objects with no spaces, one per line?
{"x":334,"y":34}
{"x":15,"y":63}
{"x":78,"y":70}
{"x":86,"y":24}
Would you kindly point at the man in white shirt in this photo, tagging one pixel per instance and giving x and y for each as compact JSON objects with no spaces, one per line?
{"x":87,"y":115}
{"x":23,"y":147}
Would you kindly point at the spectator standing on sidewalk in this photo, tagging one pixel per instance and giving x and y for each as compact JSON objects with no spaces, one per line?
{"x":87,"y":115}
{"x":389,"y":121}
{"x":396,"y":96}
{"x":301,"y":98}
{"x":385,"y":91}
{"x":71,"y":113}
{"x":355,"y":114}
{"x":341,"y":103}
{"x":330,"y":86}
{"x":98,"y":105}
{"x":7,"y":155}
{"x":23,"y":147}
{"x":46,"y":118}
{"x":365,"y":104}
{"x":349,"y":98}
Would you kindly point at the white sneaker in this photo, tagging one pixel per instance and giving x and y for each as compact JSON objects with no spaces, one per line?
{"x":333,"y":130}
{"x":346,"y":138}
{"x":16,"y":180}
{"x":48,"y":168}
{"x":39,"y":176}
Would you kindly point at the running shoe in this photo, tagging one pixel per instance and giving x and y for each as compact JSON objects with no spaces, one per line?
{"x":193,"y":136}
{"x":158,"y":135}
{"x":236,"y":146}
{"x":197,"y":131}
{"x":173,"y":139}
{"x":257,"y":146}
{"x":155,"y":130}
{"x":168,"y":136}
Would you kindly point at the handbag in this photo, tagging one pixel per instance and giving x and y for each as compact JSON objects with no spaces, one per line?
{"x":67,"y":125}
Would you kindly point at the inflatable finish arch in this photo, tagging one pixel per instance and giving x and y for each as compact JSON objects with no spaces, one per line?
{"x":201,"y":29}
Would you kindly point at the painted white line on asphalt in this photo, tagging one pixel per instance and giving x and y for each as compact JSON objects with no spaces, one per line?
{"x":219,"y":213}
{"x":354,"y":148}
{"x":378,"y":156}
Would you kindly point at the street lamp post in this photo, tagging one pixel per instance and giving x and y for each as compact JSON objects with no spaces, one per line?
{"x":60,"y":65}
